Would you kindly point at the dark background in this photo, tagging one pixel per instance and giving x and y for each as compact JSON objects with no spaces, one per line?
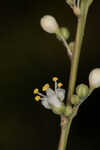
{"x":29,"y":57}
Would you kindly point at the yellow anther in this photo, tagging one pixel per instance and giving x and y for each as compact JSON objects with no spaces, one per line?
{"x":35,"y":91}
{"x":45,"y":87}
{"x":37,"y":98}
{"x":60,"y":84}
{"x":54,"y":79}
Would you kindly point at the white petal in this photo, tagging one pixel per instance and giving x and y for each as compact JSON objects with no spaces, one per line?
{"x":50,"y":92}
{"x":45,"y":104}
{"x":53,"y":100}
{"x":60,"y":93}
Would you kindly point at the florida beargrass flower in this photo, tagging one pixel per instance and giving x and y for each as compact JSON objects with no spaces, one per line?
{"x":52,"y":99}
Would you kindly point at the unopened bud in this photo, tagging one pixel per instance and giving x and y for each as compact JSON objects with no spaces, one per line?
{"x":75,"y":99}
{"x":65,"y":32}
{"x":82,"y":90}
{"x":94,"y":78}
{"x":49,"y":24}
{"x":68,"y":111}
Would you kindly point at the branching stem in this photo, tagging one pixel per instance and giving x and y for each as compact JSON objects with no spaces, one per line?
{"x":64,"y":135}
{"x":76,"y":54}
{"x":74,"y":68}
{"x":67,"y":47}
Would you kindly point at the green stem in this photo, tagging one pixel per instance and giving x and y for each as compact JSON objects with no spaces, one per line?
{"x":74,"y":68}
{"x":76,"y":54}
{"x":64,"y":136}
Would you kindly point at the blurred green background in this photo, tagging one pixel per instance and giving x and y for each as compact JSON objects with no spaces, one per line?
{"x":29,"y":58}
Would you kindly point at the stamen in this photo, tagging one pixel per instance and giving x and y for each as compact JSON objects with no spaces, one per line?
{"x":54,"y":79}
{"x":41,"y":94}
{"x":45,"y":87}
{"x":60,"y":84}
{"x":37,"y":98}
{"x":36,"y":91}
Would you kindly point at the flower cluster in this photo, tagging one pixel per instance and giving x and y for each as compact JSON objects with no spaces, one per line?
{"x":50,"y":25}
{"x":52,"y":98}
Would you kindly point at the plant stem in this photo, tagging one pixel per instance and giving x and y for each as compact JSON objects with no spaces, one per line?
{"x":64,"y":136}
{"x":76,"y":54}
{"x":74,"y":67}
{"x":67,"y":47}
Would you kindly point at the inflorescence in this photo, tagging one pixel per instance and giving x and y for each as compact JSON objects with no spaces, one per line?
{"x":53,"y":99}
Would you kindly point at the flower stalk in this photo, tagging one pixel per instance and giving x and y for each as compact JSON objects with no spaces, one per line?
{"x":64,"y":135}
{"x":81,"y":21}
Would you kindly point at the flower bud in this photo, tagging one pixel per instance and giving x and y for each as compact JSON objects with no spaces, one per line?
{"x":75,"y":99}
{"x":68,"y":111}
{"x":58,"y":110}
{"x":49,"y":24}
{"x":94,"y":78}
{"x":64,"y":32}
{"x":82,"y":90}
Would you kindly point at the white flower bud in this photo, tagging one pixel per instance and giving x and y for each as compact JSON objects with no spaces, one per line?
{"x":49,"y":24}
{"x":94,"y":78}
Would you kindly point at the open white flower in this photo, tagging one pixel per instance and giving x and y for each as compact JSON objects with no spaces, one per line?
{"x":53,"y":97}
{"x":94,"y":78}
